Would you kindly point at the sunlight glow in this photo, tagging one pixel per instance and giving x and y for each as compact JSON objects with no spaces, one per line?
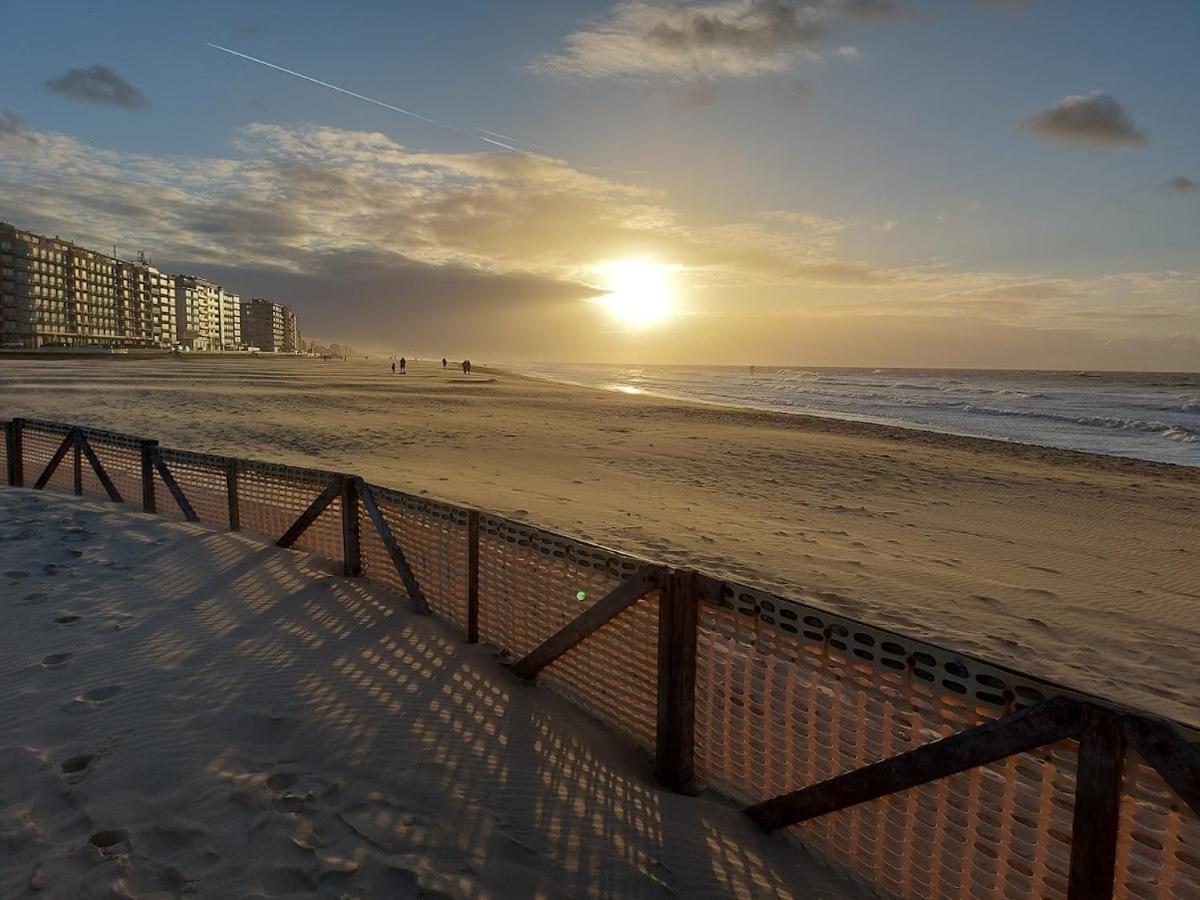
{"x":641,"y":292}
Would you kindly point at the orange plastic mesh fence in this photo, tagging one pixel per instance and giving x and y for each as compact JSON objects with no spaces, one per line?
{"x":788,"y":696}
{"x":433,"y":539}
{"x":1158,"y":845}
{"x":532,"y":583}
{"x":39,"y":441}
{"x":201,"y":477}
{"x":272,"y":497}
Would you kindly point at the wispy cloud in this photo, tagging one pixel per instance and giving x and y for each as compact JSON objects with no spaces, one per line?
{"x":720,"y":38}
{"x":99,"y":85}
{"x":1094,"y":118}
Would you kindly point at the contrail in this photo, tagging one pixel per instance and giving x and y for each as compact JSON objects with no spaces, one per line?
{"x":477,"y":133}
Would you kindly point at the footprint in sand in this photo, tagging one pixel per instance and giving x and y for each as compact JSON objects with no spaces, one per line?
{"x":98,"y":696}
{"x":111,"y":841}
{"x":16,"y":574}
{"x":56,"y":660}
{"x":66,"y":619}
{"x":284,"y":799}
{"x":77,"y":768}
{"x":33,"y":599}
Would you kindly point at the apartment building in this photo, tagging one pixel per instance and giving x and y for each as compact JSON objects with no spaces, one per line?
{"x":197,"y":313}
{"x":230,"y":326}
{"x":162,"y":293}
{"x":55,"y":293}
{"x":271,"y":327}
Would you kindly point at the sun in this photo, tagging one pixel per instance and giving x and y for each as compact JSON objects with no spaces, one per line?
{"x":638,"y":292}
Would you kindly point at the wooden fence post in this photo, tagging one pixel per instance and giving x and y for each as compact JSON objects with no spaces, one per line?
{"x":78,"y":451}
{"x":1097,"y":805}
{"x":677,"y":615}
{"x":232,"y":467}
{"x":473,"y":576}
{"x":149,"y":448}
{"x":16,"y":453}
{"x":351,"y":537}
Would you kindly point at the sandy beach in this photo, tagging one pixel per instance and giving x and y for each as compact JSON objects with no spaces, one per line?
{"x":193,"y":713}
{"x":1077,"y":568}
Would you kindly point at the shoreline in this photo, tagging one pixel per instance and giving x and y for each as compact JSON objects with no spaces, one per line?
{"x":838,"y":424}
{"x":1075,"y":567}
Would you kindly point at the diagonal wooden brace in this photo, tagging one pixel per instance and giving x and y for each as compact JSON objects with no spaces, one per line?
{"x":411,"y":587}
{"x":1018,"y":732}
{"x":603,"y":611}
{"x":59,"y":454}
{"x":111,"y":489}
{"x":173,"y":486}
{"x":318,"y":506}
{"x":1177,"y":761}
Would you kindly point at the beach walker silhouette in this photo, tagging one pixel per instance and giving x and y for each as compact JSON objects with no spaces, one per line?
{"x":403,"y":366}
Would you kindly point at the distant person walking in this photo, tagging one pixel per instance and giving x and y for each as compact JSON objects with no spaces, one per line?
{"x":403,"y":365}
{"x":443,"y":362}
{"x":466,"y":367}
{"x":393,"y":368}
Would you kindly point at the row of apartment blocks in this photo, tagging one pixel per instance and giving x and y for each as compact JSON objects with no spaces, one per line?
{"x":56,"y":294}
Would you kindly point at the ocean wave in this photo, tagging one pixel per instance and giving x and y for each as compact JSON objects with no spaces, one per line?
{"x":1171,"y":432}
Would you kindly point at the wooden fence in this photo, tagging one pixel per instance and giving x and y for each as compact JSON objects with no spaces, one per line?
{"x":924,"y":772}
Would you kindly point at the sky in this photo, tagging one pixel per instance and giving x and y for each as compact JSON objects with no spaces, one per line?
{"x":975,"y":183}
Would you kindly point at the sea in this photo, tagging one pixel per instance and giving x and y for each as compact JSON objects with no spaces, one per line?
{"x":1145,"y":415}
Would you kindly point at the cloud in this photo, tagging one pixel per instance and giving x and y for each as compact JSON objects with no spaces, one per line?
{"x":1095,"y":118}
{"x":301,"y":190}
{"x":720,"y":38}
{"x":1181,"y":184}
{"x":11,"y":124}
{"x":14,"y":136}
{"x":99,"y":85}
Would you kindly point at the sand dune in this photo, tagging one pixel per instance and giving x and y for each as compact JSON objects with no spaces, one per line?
{"x":1080,"y":569}
{"x":193,"y":713}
